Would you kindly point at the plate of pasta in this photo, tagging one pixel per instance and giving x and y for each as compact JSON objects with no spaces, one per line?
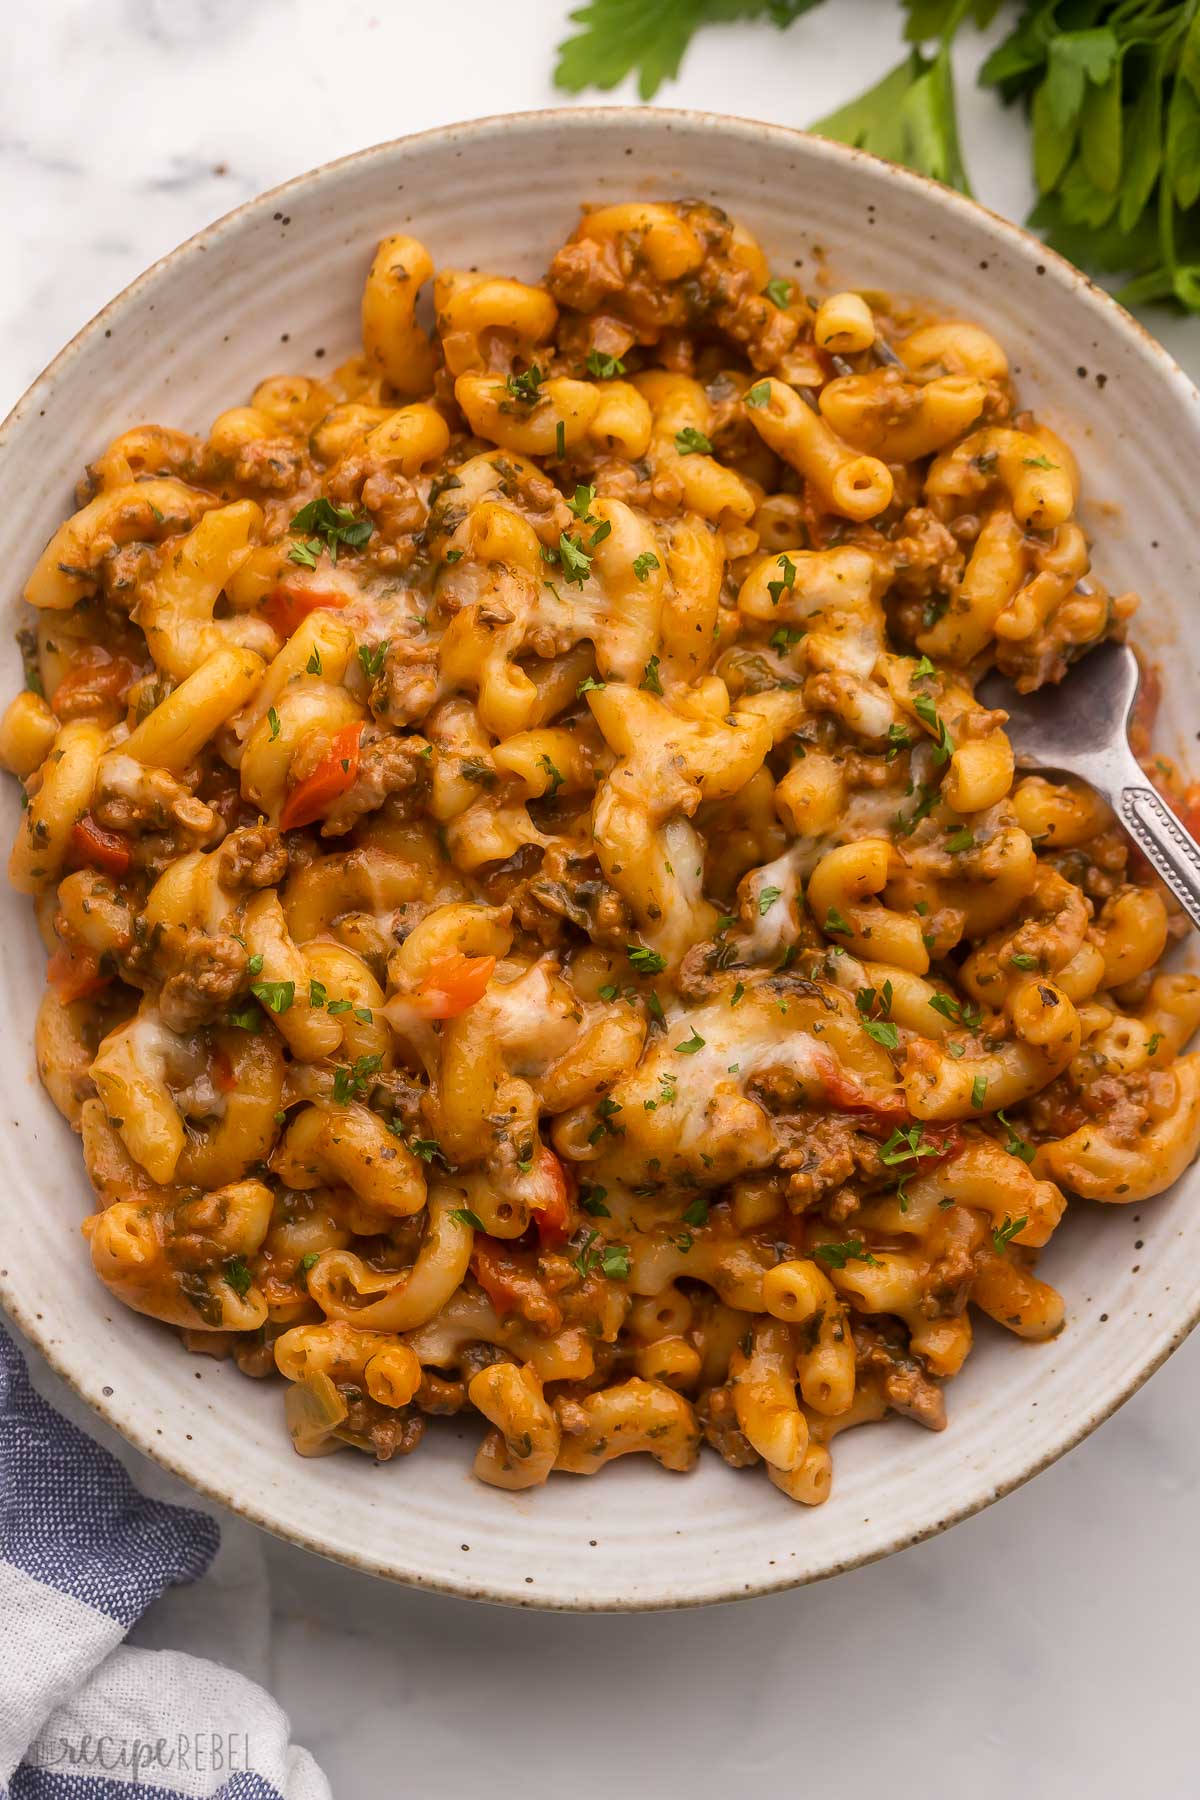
{"x":537,"y":956}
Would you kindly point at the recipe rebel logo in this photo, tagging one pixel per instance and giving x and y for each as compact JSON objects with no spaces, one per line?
{"x":140,"y":1760}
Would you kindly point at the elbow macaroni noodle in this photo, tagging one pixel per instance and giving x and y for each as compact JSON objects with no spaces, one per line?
{"x":540,"y":923}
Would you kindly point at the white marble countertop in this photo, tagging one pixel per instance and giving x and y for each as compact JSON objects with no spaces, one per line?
{"x":1040,"y":1647}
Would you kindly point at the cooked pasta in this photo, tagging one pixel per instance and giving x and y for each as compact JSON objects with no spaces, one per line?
{"x":540,"y":925}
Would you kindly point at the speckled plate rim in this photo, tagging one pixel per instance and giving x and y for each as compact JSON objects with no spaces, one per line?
{"x":88,"y":1386}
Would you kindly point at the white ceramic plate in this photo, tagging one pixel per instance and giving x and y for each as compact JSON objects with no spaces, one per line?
{"x":274,"y":287}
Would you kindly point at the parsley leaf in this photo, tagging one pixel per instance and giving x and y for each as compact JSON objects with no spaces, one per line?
{"x":237,"y":1275}
{"x":554,"y":776}
{"x":866,"y":999}
{"x":906,"y":823}
{"x":643,"y":564}
{"x":651,"y":680}
{"x":462,"y":1215}
{"x":838,"y":1255}
{"x":778,"y":588}
{"x":690,"y":1045}
{"x":575,"y":560}
{"x":758,"y":395}
{"x":614,"y":1262}
{"x":604,"y":1112}
{"x":904,"y":1146}
{"x":1003,"y":1235}
{"x":766,"y":899}
{"x":332,"y":525}
{"x":306,"y":553}
{"x":909,"y":116}
{"x":927,"y":712}
{"x":525,"y":388}
{"x":959,"y":1012}
{"x":349,"y":1084}
{"x":616,"y":38}
{"x":605,"y":368}
{"x":1016,"y":1145}
{"x":690,"y":442}
{"x":646,"y":962}
{"x":587,"y":1258}
{"x":592,"y":1198}
{"x":425,"y":1149}
{"x":372,"y":660}
{"x":276,"y":995}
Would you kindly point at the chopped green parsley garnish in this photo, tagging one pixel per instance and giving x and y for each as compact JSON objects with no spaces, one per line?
{"x":277,"y":996}
{"x":1003,"y":1235}
{"x":838,"y":1255}
{"x":332,"y":525}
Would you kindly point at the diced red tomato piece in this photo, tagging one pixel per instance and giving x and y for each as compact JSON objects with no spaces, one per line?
{"x":100,"y":848}
{"x":551,"y":1199}
{"x":852,"y":1097}
{"x":311,"y":798}
{"x":496,"y":1270}
{"x":288,"y":605}
{"x":75,"y":974}
{"x":224,"y":1078}
{"x":452,"y":984}
{"x":93,"y":684}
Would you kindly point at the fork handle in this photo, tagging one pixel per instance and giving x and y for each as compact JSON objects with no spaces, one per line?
{"x":1166,"y":841}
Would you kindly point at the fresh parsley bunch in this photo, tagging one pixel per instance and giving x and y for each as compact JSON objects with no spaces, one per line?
{"x":1112,"y":90}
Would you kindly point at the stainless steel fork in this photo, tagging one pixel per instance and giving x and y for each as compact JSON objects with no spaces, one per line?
{"x":1081,"y":727}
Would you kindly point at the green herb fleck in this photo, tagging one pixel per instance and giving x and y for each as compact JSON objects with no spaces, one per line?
{"x":332,"y":525}
{"x":462,"y":1215}
{"x":838,"y":1255}
{"x":690,"y":442}
{"x":277,"y":996}
{"x":1003,"y":1235}
{"x":651,"y":680}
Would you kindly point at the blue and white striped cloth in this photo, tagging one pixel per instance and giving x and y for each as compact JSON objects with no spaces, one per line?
{"x":87,"y":1560}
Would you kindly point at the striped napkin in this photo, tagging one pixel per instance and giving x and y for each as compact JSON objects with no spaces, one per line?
{"x":86,"y":1558}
